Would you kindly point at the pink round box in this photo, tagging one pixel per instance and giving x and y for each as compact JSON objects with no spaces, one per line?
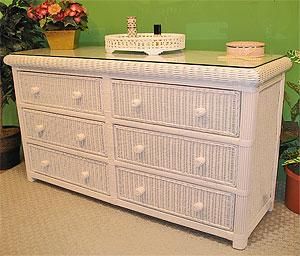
{"x":245,"y":48}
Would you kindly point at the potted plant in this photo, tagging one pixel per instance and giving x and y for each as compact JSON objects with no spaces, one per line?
{"x":18,"y":33}
{"x":292,"y":170}
{"x":289,"y":148}
{"x":61,"y":22}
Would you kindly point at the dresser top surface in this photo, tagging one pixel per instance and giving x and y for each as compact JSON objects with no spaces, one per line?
{"x":188,"y":57}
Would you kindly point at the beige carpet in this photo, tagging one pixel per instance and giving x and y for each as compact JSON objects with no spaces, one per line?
{"x":41,"y":219}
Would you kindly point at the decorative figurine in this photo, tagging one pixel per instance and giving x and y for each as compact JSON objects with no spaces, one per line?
{"x":131,"y":26}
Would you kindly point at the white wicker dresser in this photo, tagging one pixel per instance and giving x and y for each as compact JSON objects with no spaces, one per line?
{"x":188,"y":137}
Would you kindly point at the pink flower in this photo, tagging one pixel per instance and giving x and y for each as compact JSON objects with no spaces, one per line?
{"x":67,"y":12}
{"x":72,"y":13}
{"x":44,"y":5}
{"x":76,"y":8}
{"x":43,"y":12}
{"x":77,"y":19}
{"x":30,"y":13}
{"x":40,"y":13}
{"x":59,"y":17}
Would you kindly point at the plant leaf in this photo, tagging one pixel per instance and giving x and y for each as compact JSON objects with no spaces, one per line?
{"x":295,"y":110}
{"x":295,"y":87}
{"x":294,"y":55}
{"x":69,"y":21}
{"x":42,"y":23}
{"x":18,"y":32}
{"x":3,"y":8}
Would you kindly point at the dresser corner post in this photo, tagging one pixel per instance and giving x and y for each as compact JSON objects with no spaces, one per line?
{"x":30,"y":178}
{"x":240,"y":242}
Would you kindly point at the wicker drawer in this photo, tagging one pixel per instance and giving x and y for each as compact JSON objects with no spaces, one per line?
{"x":82,"y":94}
{"x":201,"y":109}
{"x":207,"y":160}
{"x":196,"y":203}
{"x":77,"y":170}
{"x":65,"y":131}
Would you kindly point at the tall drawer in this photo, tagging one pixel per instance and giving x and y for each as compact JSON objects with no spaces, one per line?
{"x":65,"y":131}
{"x":196,"y":203}
{"x":201,"y":109}
{"x":74,"y":169}
{"x":203,"y":159}
{"x":82,"y":94}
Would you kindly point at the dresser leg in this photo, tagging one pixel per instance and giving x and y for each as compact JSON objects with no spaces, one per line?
{"x":240,"y":243}
{"x":29,"y":178}
{"x":271,"y":206}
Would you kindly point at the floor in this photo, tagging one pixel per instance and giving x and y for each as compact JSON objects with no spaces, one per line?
{"x":42,"y":219}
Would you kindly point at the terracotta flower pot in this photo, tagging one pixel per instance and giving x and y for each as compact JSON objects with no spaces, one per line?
{"x":292,"y":191}
{"x":62,"y":39}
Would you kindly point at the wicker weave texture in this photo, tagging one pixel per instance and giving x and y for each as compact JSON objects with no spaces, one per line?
{"x":221,"y":76}
{"x":65,"y":131}
{"x":62,"y":91}
{"x":77,"y":170}
{"x":197,"y":203}
{"x":208,"y":110}
{"x":215,"y":162}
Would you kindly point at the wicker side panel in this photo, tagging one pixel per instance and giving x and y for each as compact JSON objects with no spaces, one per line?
{"x":192,"y":202}
{"x":208,"y":110}
{"x":65,"y":131}
{"x":62,"y":91}
{"x":211,"y":161}
{"x":264,"y":150}
{"x":77,"y":170}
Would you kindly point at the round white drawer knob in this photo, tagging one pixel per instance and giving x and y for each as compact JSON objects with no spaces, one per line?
{"x":80,"y":137}
{"x":45,"y":164}
{"x":198,"y":206}
{"x":199,"y":161}
{"x":138,"y":149}
{"x":198,"y":112}
{"x":139,"y":191}
{"x":136,"y":103}
{"x":76,"y":95}
{"x":85,"y":175}
{"x":39,"y":128}
{"x":35,"y":90}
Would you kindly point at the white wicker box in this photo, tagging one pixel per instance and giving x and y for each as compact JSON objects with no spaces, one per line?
{"x":145,"y":42}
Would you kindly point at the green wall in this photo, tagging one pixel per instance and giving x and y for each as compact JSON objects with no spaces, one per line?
{"x":208,"y":25}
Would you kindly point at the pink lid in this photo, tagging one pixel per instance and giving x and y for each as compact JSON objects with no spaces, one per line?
{"x":245,"y":44}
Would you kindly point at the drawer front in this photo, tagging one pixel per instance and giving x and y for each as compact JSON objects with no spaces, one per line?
{"x":65,"y":131}
{"x":208,"y":110}
{"x":82,"y":94}
{"x":196,"y":203}
{"x":211,"y":161}
{"x":77,"y":170}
